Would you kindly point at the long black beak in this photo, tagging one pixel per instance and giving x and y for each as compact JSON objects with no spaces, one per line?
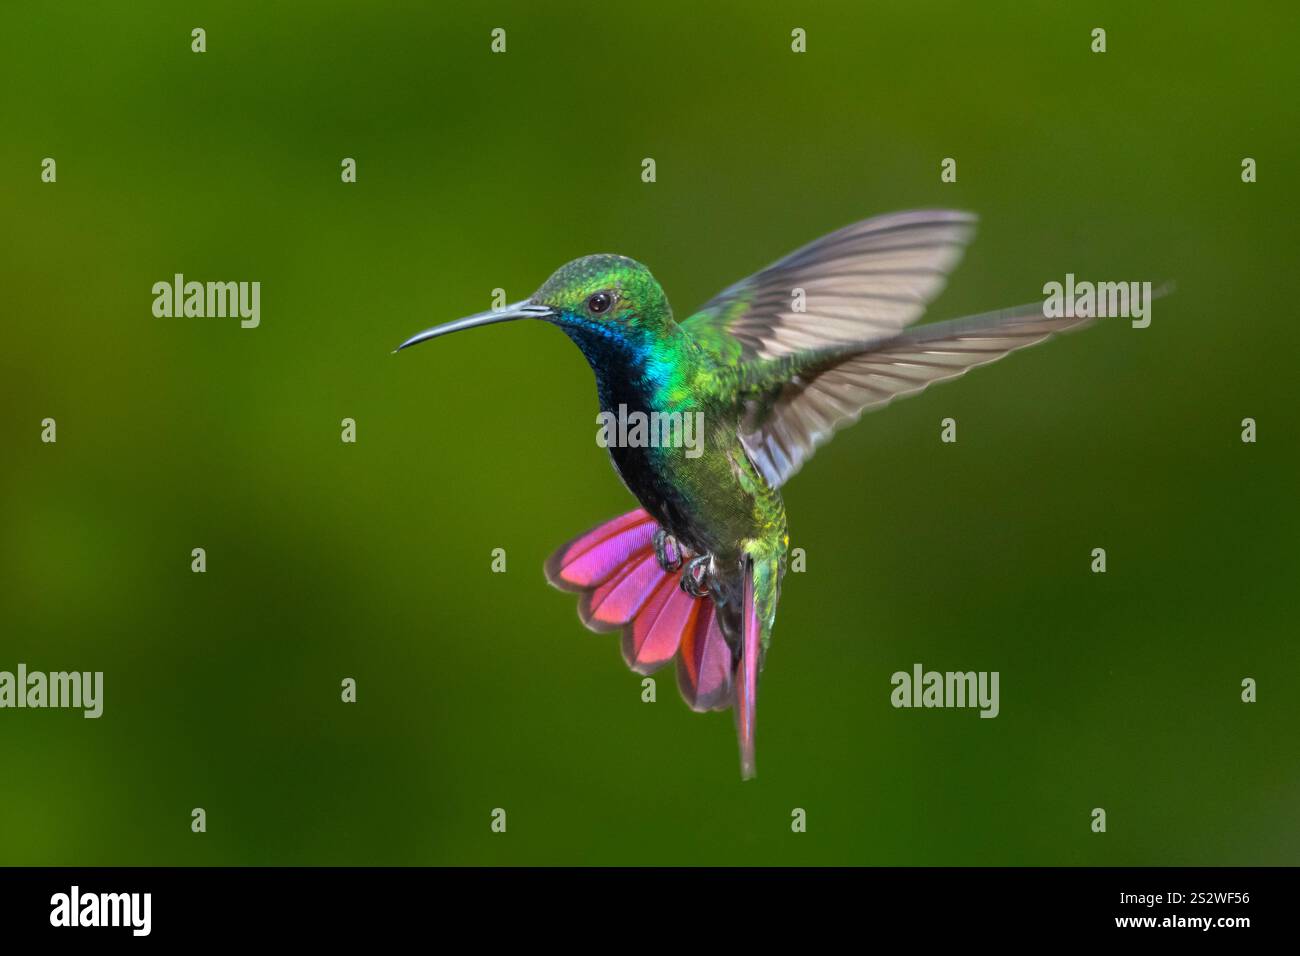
{"x":508,"y":313}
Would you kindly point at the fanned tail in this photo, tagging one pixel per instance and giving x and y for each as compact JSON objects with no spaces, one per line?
{"x":622,"y":585}
{"x":614,"y":569}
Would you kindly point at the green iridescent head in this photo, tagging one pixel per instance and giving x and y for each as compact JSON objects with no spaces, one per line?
{"x":605,"y":292}
{"x":602,"y":298}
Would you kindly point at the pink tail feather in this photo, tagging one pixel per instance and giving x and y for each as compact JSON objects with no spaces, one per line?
{"x":614,"y":568}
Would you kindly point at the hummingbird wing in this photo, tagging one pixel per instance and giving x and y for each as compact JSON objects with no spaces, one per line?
{"x":799,"y":401}
{"x":864,"y":283}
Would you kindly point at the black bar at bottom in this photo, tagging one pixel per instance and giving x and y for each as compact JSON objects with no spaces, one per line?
{"x":340,"y":905}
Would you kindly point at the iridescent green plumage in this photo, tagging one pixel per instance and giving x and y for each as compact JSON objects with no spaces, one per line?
{"x":716,"y":504}
{"x":773,"y":365}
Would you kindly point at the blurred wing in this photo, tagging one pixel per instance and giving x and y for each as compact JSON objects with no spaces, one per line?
{"x":861,"y":284}
{"x":782,"y":431}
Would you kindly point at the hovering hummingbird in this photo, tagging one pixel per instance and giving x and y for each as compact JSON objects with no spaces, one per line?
{"x":775,"y":363}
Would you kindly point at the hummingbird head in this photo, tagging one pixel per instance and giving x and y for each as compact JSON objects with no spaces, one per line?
{"x":604,"y":303}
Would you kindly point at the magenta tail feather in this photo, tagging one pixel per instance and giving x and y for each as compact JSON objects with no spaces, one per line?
{"x":614,"y":569}
{"x":592,"y":558}
{"x":704,"y":664}
{"x":654,"y":636}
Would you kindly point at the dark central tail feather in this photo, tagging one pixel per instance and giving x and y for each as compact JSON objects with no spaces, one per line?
{"x":614,"y":569}
{"x":747,"y":676}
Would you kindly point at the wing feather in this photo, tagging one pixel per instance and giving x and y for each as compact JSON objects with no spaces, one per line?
{"x":782,"y":432}
{"x":864,"y":283}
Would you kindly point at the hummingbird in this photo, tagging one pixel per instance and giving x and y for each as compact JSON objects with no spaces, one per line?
{"x":774,"y":365}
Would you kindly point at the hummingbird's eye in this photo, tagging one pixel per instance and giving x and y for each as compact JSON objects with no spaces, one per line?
{"x":600,"y":302}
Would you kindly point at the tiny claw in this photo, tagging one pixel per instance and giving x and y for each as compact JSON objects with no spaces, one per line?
{"x":667,"y":551}
{"x":697,"y":581}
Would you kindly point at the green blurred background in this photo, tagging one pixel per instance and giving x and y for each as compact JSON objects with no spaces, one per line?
{"x":481,"y":690}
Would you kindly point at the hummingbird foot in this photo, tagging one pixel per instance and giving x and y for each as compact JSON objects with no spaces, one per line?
{"x":697,"y":581}
{"x":668,"y":551}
